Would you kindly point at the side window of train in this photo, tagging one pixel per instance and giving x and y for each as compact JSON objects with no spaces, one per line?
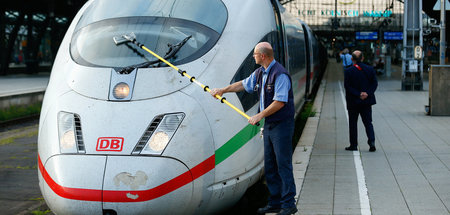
{"x":248,"y":100}
{"x":296,"y":49}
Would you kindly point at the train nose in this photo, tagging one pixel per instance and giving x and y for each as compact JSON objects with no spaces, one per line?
{"x":126,"y":185}
{"x":146,"y":185}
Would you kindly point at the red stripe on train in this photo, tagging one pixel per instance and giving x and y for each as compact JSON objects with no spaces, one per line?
{"x":121,"y":196}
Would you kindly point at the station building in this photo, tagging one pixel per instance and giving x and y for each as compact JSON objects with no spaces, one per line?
{"x":374,"y":26}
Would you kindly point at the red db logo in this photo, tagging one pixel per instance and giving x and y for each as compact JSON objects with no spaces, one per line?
{"x":110,"y":144}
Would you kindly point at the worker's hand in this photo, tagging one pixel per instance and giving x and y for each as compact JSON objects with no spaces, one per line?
{"x":363,"y":95}
{"x":255,"y":119}
{"x":216,"y":91}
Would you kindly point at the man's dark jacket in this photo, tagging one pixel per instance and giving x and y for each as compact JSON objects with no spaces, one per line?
{"x":288,"y":110}
{"x":357,"y":81}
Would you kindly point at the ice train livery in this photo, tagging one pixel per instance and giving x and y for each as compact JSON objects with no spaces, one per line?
{"x":123,"y":133}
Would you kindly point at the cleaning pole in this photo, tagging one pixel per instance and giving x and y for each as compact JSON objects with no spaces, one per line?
{"x":131,"y":37}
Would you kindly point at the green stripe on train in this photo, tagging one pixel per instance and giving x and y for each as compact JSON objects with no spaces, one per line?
{"x":236,"y":142}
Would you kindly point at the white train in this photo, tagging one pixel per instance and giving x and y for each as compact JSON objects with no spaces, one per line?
{"x":122,"y":133}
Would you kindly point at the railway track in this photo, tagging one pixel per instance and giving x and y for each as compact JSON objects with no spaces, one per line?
{"x":18,"y":122}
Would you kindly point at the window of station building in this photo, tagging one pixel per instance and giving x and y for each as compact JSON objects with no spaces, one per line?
{"x":248,"y":100}
{"x":156,"y":24}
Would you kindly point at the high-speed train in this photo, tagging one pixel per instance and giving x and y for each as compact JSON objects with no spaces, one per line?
{"x":121,"y":132}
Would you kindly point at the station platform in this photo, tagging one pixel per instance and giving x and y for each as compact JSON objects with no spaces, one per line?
{"x":11,"y":85}
{"x":408,"y":174}
{"x":22,"y":89}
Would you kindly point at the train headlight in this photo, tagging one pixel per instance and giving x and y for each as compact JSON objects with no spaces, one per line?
{"x":67,"y":141}
{"x":159,"y":141}
{"x":121,"y":90}
{"x":163,"y":133}
{"x":66,"y":131}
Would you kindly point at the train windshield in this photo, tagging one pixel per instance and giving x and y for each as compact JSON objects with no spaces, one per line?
{"x":157,"y":24}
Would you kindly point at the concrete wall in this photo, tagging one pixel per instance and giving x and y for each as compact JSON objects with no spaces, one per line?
{"x":21,"y":99}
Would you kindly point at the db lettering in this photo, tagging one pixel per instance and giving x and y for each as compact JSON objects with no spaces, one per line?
{"x":110,"y":144}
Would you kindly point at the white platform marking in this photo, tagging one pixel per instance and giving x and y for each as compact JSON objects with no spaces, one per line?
{"x":363,"y":196}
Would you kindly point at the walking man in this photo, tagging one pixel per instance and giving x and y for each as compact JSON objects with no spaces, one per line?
{"x":273,"y":85}
{"x":346,"y":58}
{"x":360,"y":82}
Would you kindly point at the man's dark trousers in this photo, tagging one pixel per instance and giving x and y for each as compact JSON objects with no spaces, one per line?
{"x":360,"y":78}
{"x":278,"y":163}
{"x":365,"y":110}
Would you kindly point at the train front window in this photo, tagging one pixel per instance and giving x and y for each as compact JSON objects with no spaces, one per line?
{"x":157,"y":25}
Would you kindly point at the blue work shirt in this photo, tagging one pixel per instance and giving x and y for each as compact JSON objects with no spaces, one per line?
{"x":346,"y":60}
{"x":282,"y":85}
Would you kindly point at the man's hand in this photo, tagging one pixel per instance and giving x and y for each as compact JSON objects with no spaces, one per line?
{"x":235,"y":87}
{"x":273,"y":107}
{"x":363,"y":95}
{"x":255,"y":119}
{"x":216,"y":91}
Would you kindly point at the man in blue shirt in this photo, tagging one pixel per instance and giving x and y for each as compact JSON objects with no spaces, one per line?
{"x":346,"y":58}
{"x":273,"y":85}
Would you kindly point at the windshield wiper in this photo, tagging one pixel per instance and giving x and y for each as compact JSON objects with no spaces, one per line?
{"x":173,"y":50}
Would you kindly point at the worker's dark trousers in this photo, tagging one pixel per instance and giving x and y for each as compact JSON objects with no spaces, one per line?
{"x":278,"y":163}
{"x":366,"y":115}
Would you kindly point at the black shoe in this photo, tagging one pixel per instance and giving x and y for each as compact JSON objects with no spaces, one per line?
{"x":288,"y":211}
{"x":351,"y":148}
{"x":372,"y":149}
{"x":268,"y":209}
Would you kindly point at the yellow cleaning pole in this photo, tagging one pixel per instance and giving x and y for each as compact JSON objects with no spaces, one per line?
{"x":132,"y":39}
{"x":192,"y":79}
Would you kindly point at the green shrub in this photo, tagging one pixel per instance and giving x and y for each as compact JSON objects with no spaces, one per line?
{"x":15,"y":112}
{"x":307,"y":111}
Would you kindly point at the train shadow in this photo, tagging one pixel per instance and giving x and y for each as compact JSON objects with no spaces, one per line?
{"x":255,"y":197}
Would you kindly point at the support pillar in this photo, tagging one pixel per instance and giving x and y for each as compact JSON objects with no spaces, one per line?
{"x":2,"y":42}
{"x":412,"y":67}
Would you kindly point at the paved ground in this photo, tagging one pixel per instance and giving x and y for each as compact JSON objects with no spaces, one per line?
{"x":19,"y":189}
{"x":408,"y":174}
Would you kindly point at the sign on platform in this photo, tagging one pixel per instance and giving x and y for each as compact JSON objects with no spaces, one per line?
{"x":418,"y":53}
{"x":437,"y":6}
{"x":413,"y":64}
